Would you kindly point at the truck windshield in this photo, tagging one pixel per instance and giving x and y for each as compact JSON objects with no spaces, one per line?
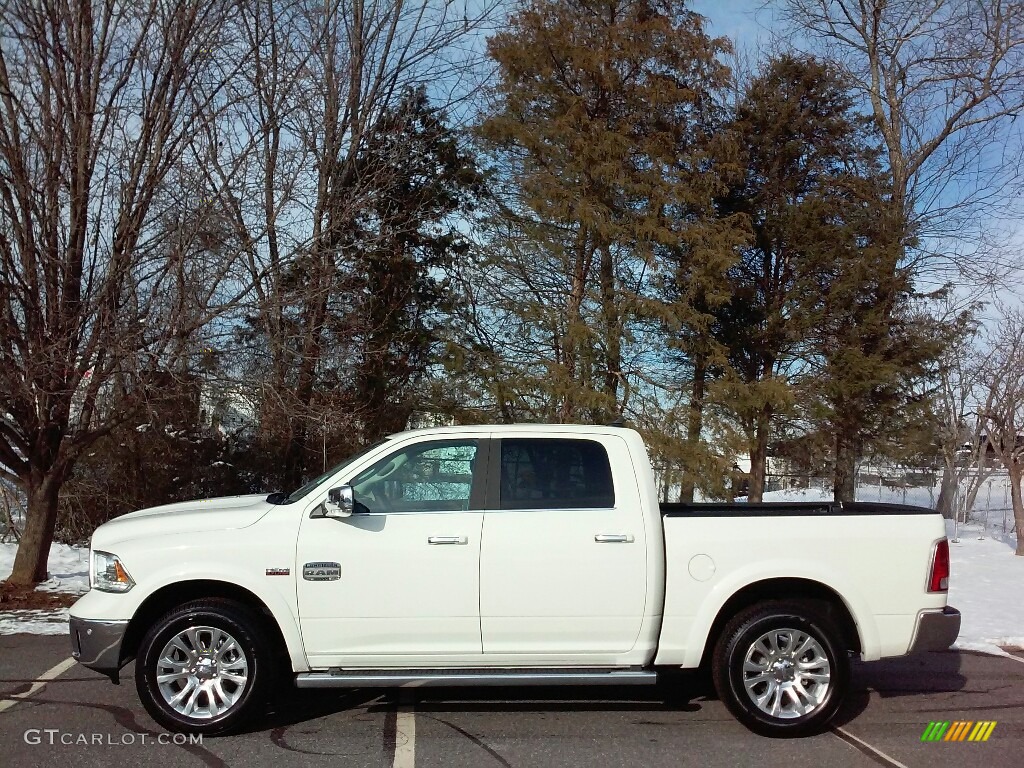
{"x":318,"y":481}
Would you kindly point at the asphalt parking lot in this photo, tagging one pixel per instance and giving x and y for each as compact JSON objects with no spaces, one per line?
{"x":80,"y":719}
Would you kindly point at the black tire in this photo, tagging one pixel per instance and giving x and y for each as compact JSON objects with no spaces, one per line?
{"x":820,"y":701}
{"x":250,"y":634}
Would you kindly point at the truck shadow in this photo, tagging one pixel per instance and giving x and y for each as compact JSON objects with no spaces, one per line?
{"x":558,"y":699}
{"x":921,"y":675}
{"x":294,"y":707}
{"x":681,"y":691}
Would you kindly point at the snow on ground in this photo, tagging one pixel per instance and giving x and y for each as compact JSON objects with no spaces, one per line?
{"x":919,"y":496}
{"x":985,"y":585}
{"x":68,"y":567}
{"x":69,"y":572}
{"x":34,"y":622}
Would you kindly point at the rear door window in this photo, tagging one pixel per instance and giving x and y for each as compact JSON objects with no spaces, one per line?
{"x":553,"y":473}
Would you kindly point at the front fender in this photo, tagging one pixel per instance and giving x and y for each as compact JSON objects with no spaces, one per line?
{"x":242,"y":558}
{"x":105,"y":606}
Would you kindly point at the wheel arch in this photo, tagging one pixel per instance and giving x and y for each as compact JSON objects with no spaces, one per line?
{"x":786,"y":588}
{"x":177,"y":593}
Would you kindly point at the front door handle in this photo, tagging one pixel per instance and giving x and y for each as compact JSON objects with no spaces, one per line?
{"x":447,"y":540}
{"x":614,"y":538}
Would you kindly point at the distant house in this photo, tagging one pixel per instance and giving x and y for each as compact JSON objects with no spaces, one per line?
{"x":969,"y":452}
{"x":226,"y":408}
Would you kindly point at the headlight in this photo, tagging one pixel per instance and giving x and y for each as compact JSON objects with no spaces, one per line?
{"x":108,"y":574}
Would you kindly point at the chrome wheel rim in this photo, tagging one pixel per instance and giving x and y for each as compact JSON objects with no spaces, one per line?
{"x":786,"y":673}
{"x":202,"y":673}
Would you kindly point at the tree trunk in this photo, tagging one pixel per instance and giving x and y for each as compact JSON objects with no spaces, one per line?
{"x":759,"y":457}
{"x":946,"y":493}
{"x":1016,"y":470}
{"x":973,"y":488}
{"x":385,"y":418}
{"x":34,"y":547}
{"x":294,"y":456}
{"x":846,"y":469}
{"x":612,"y":333}
{"x":296,"y":449}
{"x":582,"y":255}
{"x":694,"y":426}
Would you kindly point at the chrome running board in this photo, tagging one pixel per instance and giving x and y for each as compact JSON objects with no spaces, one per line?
{"x":419,"y":678}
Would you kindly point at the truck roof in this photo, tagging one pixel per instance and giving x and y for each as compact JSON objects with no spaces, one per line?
{"x":569,"y":429}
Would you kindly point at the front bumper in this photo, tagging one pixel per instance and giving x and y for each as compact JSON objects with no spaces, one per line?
{"x":97,"y":644}
{"x":936,"y":630}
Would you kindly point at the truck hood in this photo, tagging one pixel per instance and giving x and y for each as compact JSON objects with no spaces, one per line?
{"x":219,"y":514}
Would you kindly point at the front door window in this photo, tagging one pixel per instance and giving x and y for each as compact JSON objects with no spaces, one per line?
{"x":436,"y":476}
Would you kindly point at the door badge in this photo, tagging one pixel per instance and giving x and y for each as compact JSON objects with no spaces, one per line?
{"x":321,"y":571}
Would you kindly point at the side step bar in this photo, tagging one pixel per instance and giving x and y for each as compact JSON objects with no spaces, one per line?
{"x":418,"y":678}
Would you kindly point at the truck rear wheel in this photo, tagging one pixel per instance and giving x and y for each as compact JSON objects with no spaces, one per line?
{"x":204,"y":667}
{"x":781,"y":668}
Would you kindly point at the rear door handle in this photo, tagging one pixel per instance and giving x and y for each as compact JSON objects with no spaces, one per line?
{"x":614,"y":538}
{"x":447,"y":540}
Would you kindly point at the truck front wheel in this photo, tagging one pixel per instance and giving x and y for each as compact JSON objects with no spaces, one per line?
{"x":204,"y":667}
{"x":781,"y":668}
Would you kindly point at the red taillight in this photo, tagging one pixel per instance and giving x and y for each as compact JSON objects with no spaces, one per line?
{"x":939,"y":579}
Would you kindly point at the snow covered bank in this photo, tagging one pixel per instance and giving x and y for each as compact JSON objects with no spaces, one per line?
{"x":69,"y":573}
{"x":985,"y":584}
{"x":34,"y":622}
{"x":68,"y":567}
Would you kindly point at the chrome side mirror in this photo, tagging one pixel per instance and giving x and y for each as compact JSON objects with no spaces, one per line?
{"x":340,"y":502}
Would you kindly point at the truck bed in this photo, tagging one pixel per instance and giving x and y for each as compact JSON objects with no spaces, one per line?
{"x":875,"y":557}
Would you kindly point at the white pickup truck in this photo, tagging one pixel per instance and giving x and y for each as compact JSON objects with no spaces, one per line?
{"x":507,"y":555}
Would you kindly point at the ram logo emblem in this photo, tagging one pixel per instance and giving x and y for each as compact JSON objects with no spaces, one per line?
{"x":321,"y":571}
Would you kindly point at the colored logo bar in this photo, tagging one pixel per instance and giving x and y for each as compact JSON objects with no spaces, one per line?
{"x":958,"y":730}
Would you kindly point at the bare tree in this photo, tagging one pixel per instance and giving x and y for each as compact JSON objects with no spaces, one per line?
{"x":944,"y":83}
{"x":285,"y":167}
{"x":107,"y":267}
{"x":1003,"y":411}
{"x":960,"y":432}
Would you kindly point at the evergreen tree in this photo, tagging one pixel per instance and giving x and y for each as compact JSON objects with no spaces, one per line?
{"x":876,"y":347}
{"x":802,"y":143}
{"x":600,"y":127}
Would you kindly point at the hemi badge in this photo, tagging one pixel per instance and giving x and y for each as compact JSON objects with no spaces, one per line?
{"x":279,"y":571}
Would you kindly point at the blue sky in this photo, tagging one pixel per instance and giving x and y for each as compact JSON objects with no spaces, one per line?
{"x":746,"y":22}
